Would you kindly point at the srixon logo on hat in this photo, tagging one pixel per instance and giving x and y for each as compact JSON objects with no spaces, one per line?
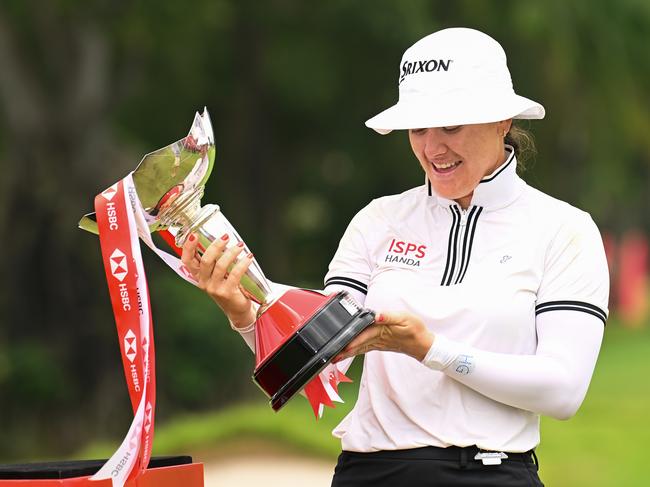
{"x":426,"y":66}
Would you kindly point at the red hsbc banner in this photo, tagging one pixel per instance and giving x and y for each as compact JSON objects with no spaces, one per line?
{"x":127,"y":285}
{"x":121,"y":221}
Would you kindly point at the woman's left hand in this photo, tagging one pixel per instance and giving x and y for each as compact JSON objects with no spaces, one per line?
{"x":392,"y":332}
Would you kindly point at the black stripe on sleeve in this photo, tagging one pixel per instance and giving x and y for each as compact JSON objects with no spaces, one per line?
{"x":346,"y":281}
{"x":471,"y":240}
{"x":451,"y":247}
{"x":572,"y":306}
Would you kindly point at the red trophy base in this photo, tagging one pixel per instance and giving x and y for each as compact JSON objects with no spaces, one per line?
{"x":298,"y":335}
{"x":162,"y":472}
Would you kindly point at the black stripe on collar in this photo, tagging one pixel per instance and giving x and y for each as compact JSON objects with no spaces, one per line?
{"x":459,"y":246}
{"x":464,"y":242}
{"x":451,"y":247}
{"x":511,"y":158}
{"x":471,"y":222}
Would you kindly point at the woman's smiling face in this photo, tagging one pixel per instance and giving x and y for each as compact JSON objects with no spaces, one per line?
{"x":455,"y":159}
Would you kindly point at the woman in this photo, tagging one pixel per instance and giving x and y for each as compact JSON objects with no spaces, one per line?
{"x":492,"y":296}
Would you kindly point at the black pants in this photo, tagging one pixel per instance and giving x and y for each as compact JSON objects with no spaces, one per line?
{"x":433,"y":467}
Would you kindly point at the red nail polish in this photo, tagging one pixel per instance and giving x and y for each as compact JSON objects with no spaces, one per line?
{"x":379,"y":318}
{"x":192,"y":237}
{"x":250,"y":256}
{"x":225,"y":236}
{"x":240,"y":244}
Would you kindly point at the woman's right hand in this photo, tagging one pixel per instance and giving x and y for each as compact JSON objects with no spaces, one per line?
{"x":211,"y":272}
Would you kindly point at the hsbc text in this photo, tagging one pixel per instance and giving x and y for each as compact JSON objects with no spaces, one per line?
{"x":111,"y":212}
{"x":124,"y":294}
{"x":134,"y":376}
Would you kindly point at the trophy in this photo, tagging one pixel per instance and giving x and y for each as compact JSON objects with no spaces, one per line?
{"x":297,"y":331}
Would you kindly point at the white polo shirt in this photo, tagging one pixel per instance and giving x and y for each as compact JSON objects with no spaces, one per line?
{"x":478,"y":277}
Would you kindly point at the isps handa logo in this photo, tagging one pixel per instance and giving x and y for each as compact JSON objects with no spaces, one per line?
{"x":403,"y":252}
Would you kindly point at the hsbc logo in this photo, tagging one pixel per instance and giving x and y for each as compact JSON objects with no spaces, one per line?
{"x":129,"y":346}
{"x":131,"y":351}
{"x":110,"y":192}
{"x":111,"y":215}
{"x":134,"y":440}
{"x":125,"y":459}
{"x":147,"y":417}
{"x":119,"y":268}
{"x":111,"y":211}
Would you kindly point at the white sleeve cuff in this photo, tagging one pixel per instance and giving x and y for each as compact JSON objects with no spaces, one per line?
{"x":442,"y":353}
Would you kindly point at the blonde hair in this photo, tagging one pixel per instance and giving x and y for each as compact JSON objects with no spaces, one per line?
{"x":524,"y":144}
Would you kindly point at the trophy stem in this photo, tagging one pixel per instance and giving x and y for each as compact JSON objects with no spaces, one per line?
{"x":183,"y":212}
{"x":271,"y":298}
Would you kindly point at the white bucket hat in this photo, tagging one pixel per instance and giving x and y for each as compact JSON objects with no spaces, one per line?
{"x":454,"y":77}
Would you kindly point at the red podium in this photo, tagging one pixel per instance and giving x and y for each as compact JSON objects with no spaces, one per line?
{"x":162,"y":472}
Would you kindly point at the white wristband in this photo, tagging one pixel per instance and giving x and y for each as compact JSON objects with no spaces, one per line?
{"x":245,"y":329}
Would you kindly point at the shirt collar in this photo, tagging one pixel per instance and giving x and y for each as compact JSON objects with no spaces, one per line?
{"x":494,"y":191}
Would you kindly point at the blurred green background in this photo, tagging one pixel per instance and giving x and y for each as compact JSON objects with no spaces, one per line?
{"x":88,"y":87}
